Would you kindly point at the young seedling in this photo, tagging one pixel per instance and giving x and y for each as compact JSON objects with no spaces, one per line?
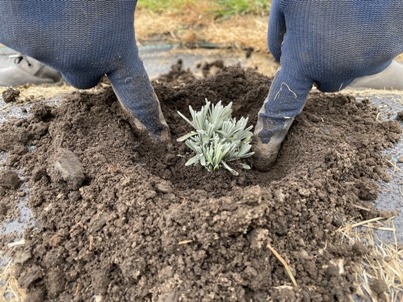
{"x":217,"y":139}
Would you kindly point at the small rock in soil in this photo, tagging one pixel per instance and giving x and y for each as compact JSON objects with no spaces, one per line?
{"x":69,"y":168}
{"x":164,"y":187}
{"x":399,"y":116}
{"x":10,"y":95}
{"x":400,"y":159}
{"x":249,"y":52}
{"x":386,"y":177}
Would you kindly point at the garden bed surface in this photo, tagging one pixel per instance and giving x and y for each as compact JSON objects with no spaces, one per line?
{"x":121,"y":219}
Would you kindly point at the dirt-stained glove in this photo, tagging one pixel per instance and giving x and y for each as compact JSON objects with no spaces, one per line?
{"x":85,"y":40}
{"x":322,"y":43}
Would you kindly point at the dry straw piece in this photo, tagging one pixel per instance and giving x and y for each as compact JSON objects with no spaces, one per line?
{"x":284,"y":263}
{"x":382,"y":267}
{"x":238,"y":31}
{"x":10,"y":291}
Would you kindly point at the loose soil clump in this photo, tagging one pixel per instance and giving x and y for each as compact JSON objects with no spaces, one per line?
{"x":122,"y":220}
{"x":10,"y":95}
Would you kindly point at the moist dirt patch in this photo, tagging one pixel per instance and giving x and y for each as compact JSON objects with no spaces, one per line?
{"x":118,"y":219}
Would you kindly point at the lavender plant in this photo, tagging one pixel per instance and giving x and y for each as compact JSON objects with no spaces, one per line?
{"x":217,"y":138}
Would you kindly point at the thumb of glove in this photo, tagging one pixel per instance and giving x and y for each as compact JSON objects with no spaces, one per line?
{"x":137,"y":97}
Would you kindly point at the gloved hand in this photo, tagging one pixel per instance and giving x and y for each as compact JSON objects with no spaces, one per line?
{"x":85,"y":40}
{"x":322,"y":43}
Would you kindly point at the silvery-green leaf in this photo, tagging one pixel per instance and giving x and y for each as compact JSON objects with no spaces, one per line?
{"x":194,"y":146}
{"x":230,"y":169}
{"x":248,"y":154}
{"x":203,"y":161}
{"x":193,"y":113}
{"x":218,"y":156}
{"x":194,"y":160}
{"x":241,"y":157}
{"x":245,"y":166}
{"x":185,"y":118}
{"x":185,"y":137}
{"x":241,"y":135}
{"x":244,"y":149}
{"x":210,"y":155}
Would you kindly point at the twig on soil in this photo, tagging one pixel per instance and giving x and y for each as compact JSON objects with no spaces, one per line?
{"x":77,"y":289}
{"x":379,"y":116}
{"x":16,"y":243}
{"x":395,"y":167}
{"x":284,"y":263}
{"x":361,"y":207}
{"x":185,"y":242}
{"x":366,"y":223}
{"x":91,"y":239}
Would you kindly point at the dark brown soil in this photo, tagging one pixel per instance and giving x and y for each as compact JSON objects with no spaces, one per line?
{"x":117,"y":220}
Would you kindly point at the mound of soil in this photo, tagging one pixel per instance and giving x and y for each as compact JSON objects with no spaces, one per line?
{"x":121,"y":220}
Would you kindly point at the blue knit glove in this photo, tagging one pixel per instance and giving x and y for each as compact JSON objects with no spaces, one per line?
{"x":85,"y":40}
{"x":322,"y":43}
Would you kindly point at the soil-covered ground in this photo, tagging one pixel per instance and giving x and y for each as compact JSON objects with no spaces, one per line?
{"x":120,"y":220}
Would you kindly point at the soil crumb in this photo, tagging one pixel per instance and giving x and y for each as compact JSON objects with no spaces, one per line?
{"x":10,"y":95}
{"x":117,"y":220}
